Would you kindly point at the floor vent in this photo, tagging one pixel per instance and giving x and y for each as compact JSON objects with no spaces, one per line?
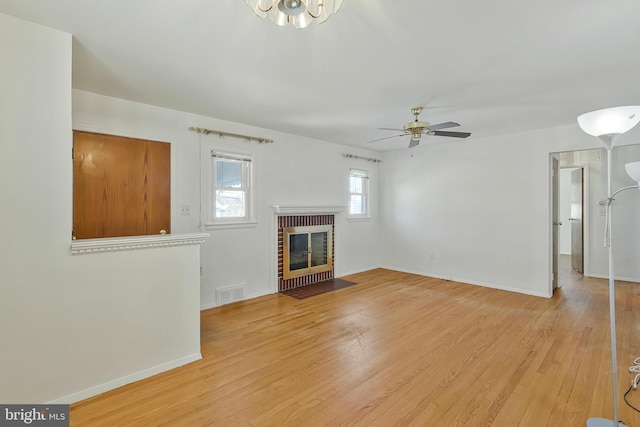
{"x":230,"y":294}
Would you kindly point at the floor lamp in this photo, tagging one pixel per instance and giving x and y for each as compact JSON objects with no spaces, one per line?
{"x":607,"y":125}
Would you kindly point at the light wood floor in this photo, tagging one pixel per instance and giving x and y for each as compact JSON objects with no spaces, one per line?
{"x":394,"y":350}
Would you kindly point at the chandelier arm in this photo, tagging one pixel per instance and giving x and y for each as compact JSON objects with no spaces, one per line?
{"x":320,"y":6}
{"x":267,"y":9}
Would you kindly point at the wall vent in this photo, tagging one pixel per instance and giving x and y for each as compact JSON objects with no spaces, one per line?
{"x":230,"y":294}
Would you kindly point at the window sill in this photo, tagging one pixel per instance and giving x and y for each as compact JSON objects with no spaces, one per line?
{"x":111,"y":244}
{"x":231,"y":225}
{"x":359,"y":218}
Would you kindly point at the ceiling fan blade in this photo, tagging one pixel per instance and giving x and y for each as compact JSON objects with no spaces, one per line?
{"x":388,"y":137}
{"x":399,"y":130}
{"x":453,"y":134}
{"x":414,"y":142}
{"x":444,"y":125}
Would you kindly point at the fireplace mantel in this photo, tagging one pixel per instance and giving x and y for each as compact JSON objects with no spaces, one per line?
{"x":307,"y":210}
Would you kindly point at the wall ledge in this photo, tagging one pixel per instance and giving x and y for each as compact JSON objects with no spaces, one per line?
{"x":111,"y":244}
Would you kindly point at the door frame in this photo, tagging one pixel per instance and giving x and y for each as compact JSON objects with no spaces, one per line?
{"x":586,"y":214}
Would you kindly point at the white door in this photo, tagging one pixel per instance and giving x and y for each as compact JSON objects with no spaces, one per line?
{"x":577,"y":230}
{"x":555,"y":183}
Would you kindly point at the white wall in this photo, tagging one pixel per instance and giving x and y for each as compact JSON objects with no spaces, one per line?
{"x":72,"y":325}
{"x":481,"y":206}
{"x":293,"y":170}
{"x":625,"y":216}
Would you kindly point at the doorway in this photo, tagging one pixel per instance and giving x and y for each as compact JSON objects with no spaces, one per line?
{"x":570,"y":207}
{"x":625,"y":224}
{"x":571,"y":217}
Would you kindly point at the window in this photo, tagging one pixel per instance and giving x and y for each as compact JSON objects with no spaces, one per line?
{"x":229,"y":198}
{"x":358,"y":193}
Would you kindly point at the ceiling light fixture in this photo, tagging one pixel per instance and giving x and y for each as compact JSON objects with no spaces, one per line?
{"x":300,"y":13}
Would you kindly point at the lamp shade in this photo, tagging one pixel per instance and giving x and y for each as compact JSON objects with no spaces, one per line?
{"x":633,"y":170}
{"x":610,"y":121}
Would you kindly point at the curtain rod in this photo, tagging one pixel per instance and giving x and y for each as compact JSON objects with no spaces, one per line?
{"x":368,"y":159}
{"x":232,"y":135}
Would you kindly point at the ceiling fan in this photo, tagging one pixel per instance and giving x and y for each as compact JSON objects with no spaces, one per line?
{"x":417,"y":128}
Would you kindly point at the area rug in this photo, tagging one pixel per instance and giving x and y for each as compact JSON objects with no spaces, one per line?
{"x":319,"y":288}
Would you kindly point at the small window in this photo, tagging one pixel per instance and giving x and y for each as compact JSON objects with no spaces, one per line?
{"x":229,"y":189}
{"x":358,"y":193}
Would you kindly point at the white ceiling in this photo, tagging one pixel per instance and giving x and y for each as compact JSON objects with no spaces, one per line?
{"x":494,"y":66}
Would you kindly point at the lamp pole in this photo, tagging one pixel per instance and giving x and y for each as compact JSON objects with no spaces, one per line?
{"x":612,"y":292}
{"x":606,"y":125}
{"x":603,"y":422}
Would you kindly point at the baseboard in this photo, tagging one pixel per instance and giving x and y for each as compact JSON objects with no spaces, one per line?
{"x":619,"y":278}
{"x":416,"y":272}
{"x":208,"y":306}
{"x":503,"y":288}
{"x":419,"y":273}
{"x":348,"y":273}
{"x":473,"y":282}
{"x":128,"y":379}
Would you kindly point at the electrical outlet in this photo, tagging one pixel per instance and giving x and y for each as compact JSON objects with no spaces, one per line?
{"x":603,"y":207}
{"x":185,"y":210}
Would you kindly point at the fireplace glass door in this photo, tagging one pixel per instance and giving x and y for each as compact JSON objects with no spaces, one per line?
{"x":318,"y":246}
{"x":298,"y":251}
{"x":307,"y":250}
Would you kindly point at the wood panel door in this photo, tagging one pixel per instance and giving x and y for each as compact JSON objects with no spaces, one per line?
{"x":121,"y":186}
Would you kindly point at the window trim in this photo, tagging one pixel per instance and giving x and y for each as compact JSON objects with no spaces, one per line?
{"x":208,"y":218}
{"x":361,"y":173}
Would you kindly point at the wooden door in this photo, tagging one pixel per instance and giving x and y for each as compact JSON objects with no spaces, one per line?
{"x":121,"y":186}
{"x":577,"y":230}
